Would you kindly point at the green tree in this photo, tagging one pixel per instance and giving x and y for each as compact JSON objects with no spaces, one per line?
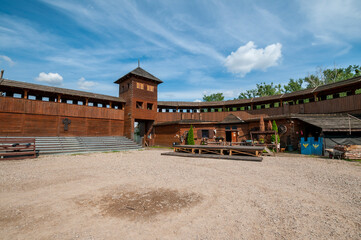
{"x":213,"y":97}
{"x":313,"y":81}
{"x":293,"y":85}
{"x":248,"y":94}
{"x":264,"y":89}
{"x":261,"y":90}
{"x":339,"y":74}
{"x":190,"y":137}
{"x":275,"y":128}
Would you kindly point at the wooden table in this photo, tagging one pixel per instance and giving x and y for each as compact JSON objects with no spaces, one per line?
{"x":221,"y":150}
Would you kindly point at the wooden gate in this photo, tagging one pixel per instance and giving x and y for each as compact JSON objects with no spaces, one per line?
{"x":312,"y":147}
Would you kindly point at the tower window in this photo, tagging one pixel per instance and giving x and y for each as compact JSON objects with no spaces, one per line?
{"x":150,"y":106}
{"x":140,"y":85}
{"x":150,"y":88}
{"x":139,"y":105}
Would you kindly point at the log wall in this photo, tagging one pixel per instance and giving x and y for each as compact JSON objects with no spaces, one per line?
{"x":349,"y":104}
{"x":23,"y":117}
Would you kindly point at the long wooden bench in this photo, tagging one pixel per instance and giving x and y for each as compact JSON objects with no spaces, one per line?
{"x":17,"y":148}
{"x":221,"y":150}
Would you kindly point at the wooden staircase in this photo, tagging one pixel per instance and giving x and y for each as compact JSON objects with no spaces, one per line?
{"x":63,"y":145}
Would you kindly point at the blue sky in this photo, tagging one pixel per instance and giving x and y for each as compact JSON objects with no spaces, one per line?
{"x":195,"y":47}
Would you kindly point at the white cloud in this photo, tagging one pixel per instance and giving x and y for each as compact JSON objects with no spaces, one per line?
{"x":248,"y":58}
{"x":50,"y":78}
{"x":85,"y":85}
{"x":8,"y":60}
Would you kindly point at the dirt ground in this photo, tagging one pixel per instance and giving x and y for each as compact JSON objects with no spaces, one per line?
{"x":143,"y":195}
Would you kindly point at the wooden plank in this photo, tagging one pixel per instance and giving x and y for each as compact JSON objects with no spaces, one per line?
{"x":220,"y":157}
{"x":17,"y":158}
{"x":17,"y":153}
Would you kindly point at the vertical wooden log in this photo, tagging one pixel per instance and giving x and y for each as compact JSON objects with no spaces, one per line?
{"x":315,"y":97}
{"x":276,"y":141}
{"x":26,"y":94}
{"x":58,"y":98}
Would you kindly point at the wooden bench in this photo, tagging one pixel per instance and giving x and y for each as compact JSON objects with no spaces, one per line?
{"x":17,"y":148}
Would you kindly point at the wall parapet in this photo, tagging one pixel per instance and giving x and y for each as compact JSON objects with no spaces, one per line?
{"x":26,"y":106}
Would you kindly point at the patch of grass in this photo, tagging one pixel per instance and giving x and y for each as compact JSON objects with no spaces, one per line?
{"x":156,"y":147}
{"x":352,"y":160}
{"x":76,"y":154}
{"x":114,"y":151}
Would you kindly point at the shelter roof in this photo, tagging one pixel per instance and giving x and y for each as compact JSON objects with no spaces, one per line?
{"x":185,"y":122}
{"x":139,"y":72}
{"x":332,"y":122}
{"x":57,"y":90}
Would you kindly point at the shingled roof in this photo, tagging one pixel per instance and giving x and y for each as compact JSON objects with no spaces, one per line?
{"x":231,"y":119}
{"x":139,"y":72}
{"x":57,"y":90}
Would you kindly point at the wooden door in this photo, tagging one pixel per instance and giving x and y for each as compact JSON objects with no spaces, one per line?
{"x":234,"y":136}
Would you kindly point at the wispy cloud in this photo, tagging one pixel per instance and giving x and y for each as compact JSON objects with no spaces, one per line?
{"x":337,"y":21}
{"x":85,"y":85}
{"x":8,"y":60}
{"x":20,"y":33}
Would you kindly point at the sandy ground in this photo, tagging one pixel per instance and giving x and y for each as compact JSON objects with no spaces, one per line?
{"x":143,"y":195}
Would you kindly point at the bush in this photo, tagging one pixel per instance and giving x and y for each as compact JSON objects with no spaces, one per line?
{"x":190,"y":137}
{"x":275,"y":128}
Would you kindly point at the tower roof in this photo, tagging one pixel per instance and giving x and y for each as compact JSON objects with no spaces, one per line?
{"x":139,"y":72}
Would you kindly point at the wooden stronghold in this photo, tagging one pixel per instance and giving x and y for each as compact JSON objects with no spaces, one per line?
{"x":32,"y":110}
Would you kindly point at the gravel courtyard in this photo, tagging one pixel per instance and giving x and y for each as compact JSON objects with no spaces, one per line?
{"x":143,"y":195}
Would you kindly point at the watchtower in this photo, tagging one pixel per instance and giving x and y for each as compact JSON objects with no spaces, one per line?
{"x":139,"y":89}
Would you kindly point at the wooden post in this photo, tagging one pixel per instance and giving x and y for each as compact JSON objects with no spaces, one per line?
{"x":110,"y":104}
{"x":86,"y":101}
{"x":26,"y":94}
{"x":276,"y":134}
{"x":315,"y":97}
{"x":58,"y":98}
